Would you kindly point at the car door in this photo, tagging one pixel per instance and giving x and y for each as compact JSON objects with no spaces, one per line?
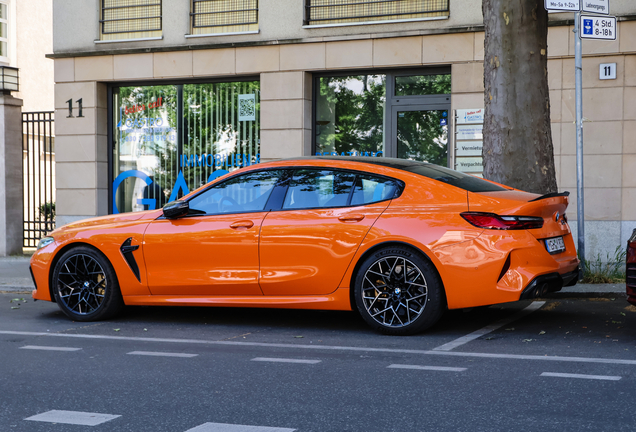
{"x":214,"y":249}
{"x":306,"y":247}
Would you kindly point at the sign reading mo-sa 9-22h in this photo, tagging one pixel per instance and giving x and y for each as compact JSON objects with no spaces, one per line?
{"x":562,"y":5}
{"x":598,"y":27}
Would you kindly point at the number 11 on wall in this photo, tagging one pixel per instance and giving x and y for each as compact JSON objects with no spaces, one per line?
{"x":70,"y":108}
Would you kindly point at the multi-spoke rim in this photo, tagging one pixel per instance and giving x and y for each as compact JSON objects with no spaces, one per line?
{"x":394,"y":291}
{"x":81,"y":284}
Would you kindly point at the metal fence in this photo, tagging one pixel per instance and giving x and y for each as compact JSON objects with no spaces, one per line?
{"x":39,"y":175}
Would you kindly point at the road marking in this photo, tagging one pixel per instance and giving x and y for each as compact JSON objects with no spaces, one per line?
{"x":490,"y":328}
{"x":161,"y":354}
{"x":430,"y":368}
{"x":49,"y":348}
{"x":73,"y":417}
{"x":331,"y":348}
{"x":224,"y":427}
{"x":593,"y":377}
{"x":285,"y":360}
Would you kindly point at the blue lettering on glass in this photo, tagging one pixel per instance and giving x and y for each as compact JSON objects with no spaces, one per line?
{"x":179,"y":184}
{"x":351,"y":153}
{"x":141,"y":122}
{"x":218,"y":160}
{"x":151,"y":203}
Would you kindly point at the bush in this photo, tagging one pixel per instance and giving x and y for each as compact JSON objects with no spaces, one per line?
{"x":610,"y":270}
{"x":47,"y":210}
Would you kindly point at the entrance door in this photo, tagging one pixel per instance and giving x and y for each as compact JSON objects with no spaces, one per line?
{"x":420,"y":132}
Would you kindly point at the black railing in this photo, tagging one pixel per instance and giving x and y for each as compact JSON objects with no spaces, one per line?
{"x":39,"y":175}
{"x":220,"y":13}
{"x":319,"y":12}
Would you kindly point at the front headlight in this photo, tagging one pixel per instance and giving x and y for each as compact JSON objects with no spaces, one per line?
{"x":45,"y":242}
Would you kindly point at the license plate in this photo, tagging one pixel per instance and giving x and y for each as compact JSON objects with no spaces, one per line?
{"x":555,"y":245}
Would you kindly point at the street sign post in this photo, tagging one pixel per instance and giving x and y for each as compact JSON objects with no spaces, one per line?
{"x":596,"y":6}
{"x":598,"y":27}
{"x":562,"y":5}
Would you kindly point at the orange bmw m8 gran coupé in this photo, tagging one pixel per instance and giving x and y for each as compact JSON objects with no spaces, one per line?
{"x":399,"y":241}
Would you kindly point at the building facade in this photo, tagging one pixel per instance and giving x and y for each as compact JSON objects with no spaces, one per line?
{"x":155,"y":97}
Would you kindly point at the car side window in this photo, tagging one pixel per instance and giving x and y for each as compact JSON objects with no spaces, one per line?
{"x":369,"y":189}
{"x":314,"y":188}
{"x":246,"y":193}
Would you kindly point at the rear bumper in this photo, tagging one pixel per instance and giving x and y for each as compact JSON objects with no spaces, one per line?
{"x":548,"y":283}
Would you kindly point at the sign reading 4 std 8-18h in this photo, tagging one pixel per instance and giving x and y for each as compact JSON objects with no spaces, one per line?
{"x":598,"y":27}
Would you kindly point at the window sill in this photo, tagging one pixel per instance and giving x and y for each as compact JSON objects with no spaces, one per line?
{"x":128,"y":40}
{"x":313,"y":26}
{"x":191,"y":36}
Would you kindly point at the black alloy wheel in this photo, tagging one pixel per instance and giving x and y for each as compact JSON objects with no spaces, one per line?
{"x":85,"y":285}
{"x":398,"y":292}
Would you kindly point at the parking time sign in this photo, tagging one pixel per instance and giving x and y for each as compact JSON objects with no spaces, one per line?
{"x":595,"y":27}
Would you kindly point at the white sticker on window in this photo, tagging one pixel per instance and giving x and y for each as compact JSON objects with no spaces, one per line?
{"x":247,"y":107}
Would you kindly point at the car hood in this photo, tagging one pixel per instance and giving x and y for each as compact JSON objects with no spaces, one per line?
{"x":109,"y":220}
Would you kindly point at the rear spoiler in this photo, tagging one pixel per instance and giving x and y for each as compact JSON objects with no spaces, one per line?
{"x":551,"y":195}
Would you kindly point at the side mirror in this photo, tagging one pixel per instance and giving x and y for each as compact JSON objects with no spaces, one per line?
{"x":176,"y":209}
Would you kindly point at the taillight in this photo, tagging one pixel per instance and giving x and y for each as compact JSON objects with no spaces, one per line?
{"x":494,"y":221}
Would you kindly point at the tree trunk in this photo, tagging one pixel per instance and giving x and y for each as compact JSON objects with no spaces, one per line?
{"x":517,"y":148}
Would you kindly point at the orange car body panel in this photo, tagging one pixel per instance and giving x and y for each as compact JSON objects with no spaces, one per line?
{"x":280,"y":258}
{"x":306,"y":252}
{"x":204,"y":256}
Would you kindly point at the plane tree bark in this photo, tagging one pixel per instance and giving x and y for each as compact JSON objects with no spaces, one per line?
{"x":517,"y":149}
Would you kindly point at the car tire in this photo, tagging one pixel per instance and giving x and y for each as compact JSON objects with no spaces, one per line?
{"x":398,"y":292}
{"x":85,"y":285}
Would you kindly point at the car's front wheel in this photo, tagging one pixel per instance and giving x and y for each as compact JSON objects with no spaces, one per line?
{"x":398,"y":292}
{"x":85,"y":285}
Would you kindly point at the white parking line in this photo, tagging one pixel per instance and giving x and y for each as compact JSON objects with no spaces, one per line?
{"x":342,"y":348}
{"x":490,"y":328}
{"x":49,"y":348}
{"x":224,"y":427}
{"x":73,"y":417}
{"x":161,"y":354}
{"x":285,"y":360}
{"x":430,"y":368}
{"x":592,"y":377}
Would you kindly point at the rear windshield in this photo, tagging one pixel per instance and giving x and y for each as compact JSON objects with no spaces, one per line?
{"x":454,"y":178}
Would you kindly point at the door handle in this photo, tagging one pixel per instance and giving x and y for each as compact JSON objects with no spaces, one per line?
{"x":351,"y":218}
{"x":242,"y":224}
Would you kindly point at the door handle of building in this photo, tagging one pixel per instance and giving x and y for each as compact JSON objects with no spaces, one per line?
{"x":351,"y":218}
{"x":242,"y":224}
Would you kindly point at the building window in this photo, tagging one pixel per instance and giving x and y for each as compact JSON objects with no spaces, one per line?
{"x":397,"y":114}
{"x":349,"y":12}
{"x":4,"y":32}
{"x":130,"y":19}
{"x":172,"y":139}
{"x":224,"y":16}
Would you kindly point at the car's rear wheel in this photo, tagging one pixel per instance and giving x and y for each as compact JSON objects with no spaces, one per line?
{"x":85,"y":285}
{"x":398,"y":292}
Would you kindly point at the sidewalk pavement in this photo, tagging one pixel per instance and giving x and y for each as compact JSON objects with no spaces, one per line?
{"x":15,"y":277}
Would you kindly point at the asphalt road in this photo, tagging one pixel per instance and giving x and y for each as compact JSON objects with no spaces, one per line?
{"x":565,"y":365}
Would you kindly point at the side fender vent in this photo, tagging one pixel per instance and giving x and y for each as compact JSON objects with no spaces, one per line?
{"x":505,"y":268}
{"x":127,"y":251}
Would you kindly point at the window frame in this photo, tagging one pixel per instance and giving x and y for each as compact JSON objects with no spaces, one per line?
{"x":7,"y":22}
{"x":279,"y":193}
{"x":307,"y":21}
{"x":438,"y":101}
{"x":194,"y":33}
{"x":133,"y":35}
